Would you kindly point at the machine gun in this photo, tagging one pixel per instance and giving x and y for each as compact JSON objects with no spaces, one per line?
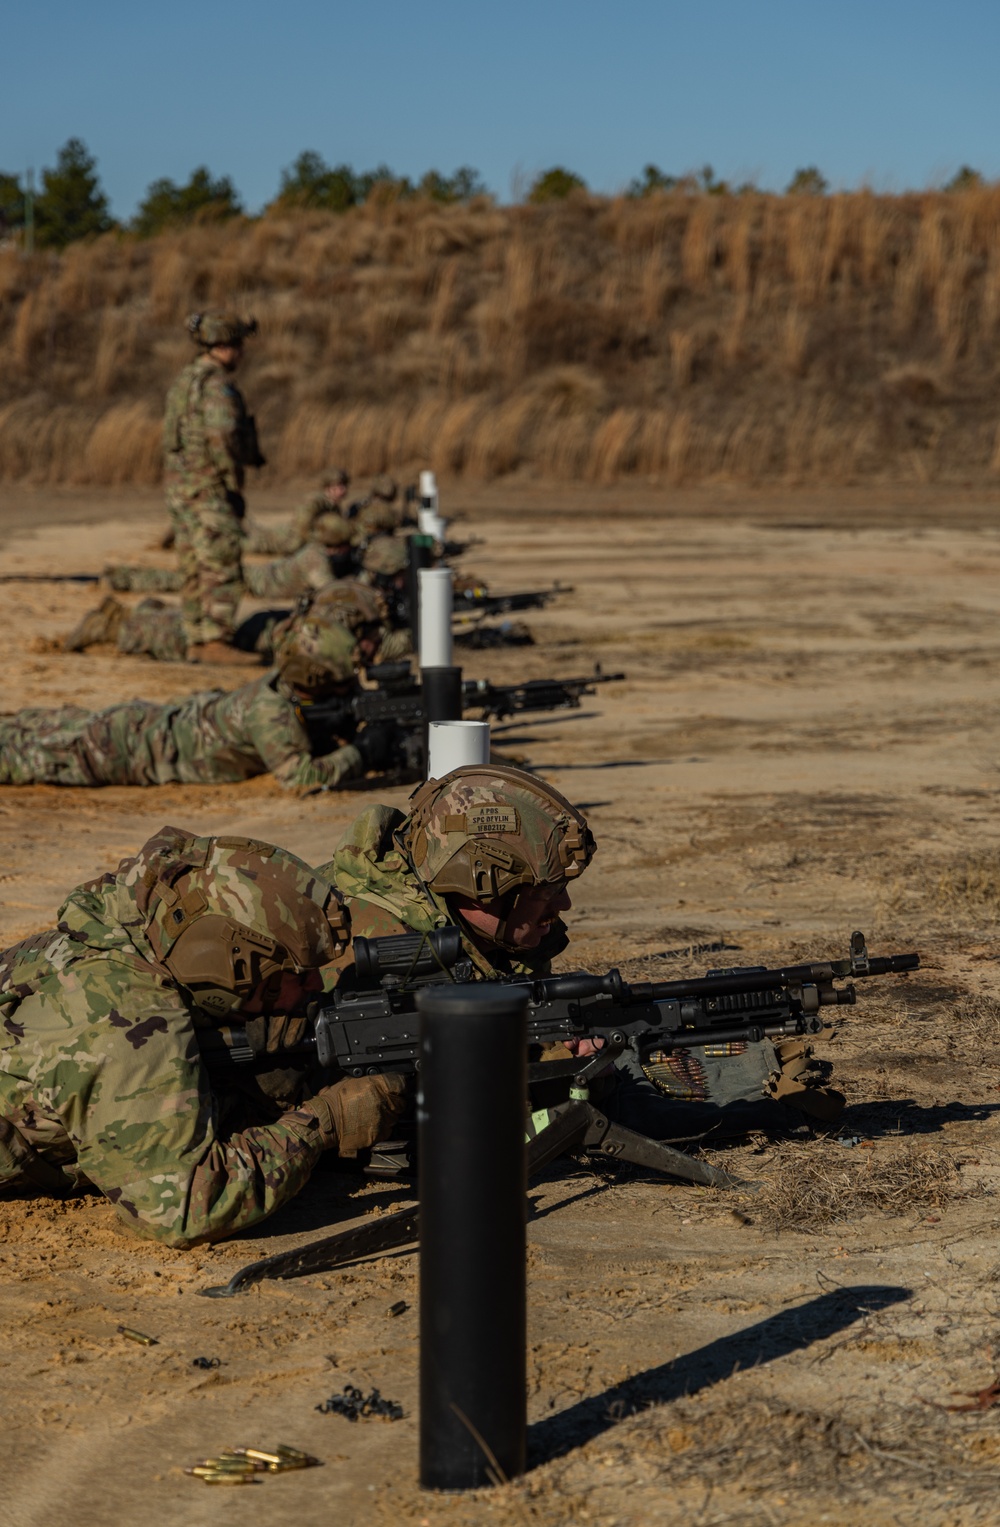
{"x":372,"y":1025}
{"x":477,"y":604}
{"x":498,"y":701}
{"x":397,"y":699}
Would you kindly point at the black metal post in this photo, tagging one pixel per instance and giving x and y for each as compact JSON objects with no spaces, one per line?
{"x":473,"y":1086}
{"x":441,"y":689}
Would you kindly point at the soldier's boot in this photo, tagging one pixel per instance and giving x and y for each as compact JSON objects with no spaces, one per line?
{"x":100,"y":625}
{"x":222,"y":652}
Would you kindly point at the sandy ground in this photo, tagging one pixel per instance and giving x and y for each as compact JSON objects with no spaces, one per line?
{"x":807,"y":743}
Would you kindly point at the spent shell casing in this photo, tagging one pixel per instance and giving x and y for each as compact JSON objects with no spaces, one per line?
{"x":228,"y":1479}
{"x":139,"y":1336}
{"x":256,"y":1452}
{"x":284,"y":1451}
{"x":201,"y":1469}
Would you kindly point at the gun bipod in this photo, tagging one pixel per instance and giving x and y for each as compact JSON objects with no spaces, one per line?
{"x":576,"y":1125}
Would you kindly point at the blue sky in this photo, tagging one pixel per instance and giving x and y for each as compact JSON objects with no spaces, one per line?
{"x":894,"y":94}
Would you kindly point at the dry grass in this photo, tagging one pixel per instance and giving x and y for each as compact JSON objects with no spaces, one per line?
{"x":767,"y":1444}
{"x":971,"y":885}
{"x":682,"y":338}
{"x":811,"y":1186}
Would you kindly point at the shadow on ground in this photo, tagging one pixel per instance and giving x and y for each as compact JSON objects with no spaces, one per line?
{"x":777,"y":1336}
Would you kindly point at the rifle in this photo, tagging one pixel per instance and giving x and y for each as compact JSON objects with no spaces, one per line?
{"x":498,"y":701}
{"x":477,"y":604}
{"x":397,"y":698}
{"x":51,"y":577}
{"x":372,"y":1026}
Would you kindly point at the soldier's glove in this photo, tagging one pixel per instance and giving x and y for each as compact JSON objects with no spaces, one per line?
{"x":237,"y":504}
{"x":352,"y":1114}
{"x":802,"y":1082}
{"x":377,"y":744}
{"x":268,"y":1036}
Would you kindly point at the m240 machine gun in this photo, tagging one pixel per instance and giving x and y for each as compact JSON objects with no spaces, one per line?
{"x":396,"y":699}
{"x":371,"y":1025}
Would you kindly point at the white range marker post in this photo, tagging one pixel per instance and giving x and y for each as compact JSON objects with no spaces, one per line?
{"x":428,"y":517}
{"x":454,"y":744}
{"x":440,"y":680}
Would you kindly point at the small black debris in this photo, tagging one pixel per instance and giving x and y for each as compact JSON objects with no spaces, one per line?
{"x":354,"y":1405}
{"x":206,"y":1362}
{"x":399,"y":1308}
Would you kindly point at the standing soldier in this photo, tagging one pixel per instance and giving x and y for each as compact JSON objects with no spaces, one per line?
{"x":209,"y":439}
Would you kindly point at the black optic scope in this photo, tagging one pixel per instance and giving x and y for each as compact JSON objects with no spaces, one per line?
{"x":406,"y":957}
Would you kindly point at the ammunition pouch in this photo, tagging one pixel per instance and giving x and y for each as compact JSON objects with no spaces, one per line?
{"x":245,"y":446}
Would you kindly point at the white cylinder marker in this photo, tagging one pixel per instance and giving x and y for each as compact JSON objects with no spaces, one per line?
{"x":428,"y":491}
{"x":434,"y":633}
{"x":433,"y":524}
{"x":452,"y":744}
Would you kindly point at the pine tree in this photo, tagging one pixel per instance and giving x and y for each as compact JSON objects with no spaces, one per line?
{"x":71,"y":204}
{"x":201,"y":200}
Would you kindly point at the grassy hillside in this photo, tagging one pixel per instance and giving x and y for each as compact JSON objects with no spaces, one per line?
{"x":682,"y":337}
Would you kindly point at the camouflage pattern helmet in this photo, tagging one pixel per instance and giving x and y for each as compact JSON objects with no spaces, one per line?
{"x":227,"y":916}
{"x":332,"y":530}
{"x":385,"y":488}
{"x":386,"y":557}
{"x":485,"y":830}
{"x":313,"y":654}
{"x":351,"y":604}
{"x":378,"y":518}
{"x":336,"y":477}
{"x":216,"y":328}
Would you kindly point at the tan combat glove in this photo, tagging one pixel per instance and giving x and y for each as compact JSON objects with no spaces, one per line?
{"x":356,"y":1112}
{"x":802,"y":1082}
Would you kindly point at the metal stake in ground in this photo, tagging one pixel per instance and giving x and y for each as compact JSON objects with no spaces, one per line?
{"x":473,"y":1084}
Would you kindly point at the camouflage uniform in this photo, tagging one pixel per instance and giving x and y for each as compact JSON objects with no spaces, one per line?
{"x":208,"y":738}
{"x":102,"y":1078}
{"x":282,"y":540}
{"x":385,"y":560}
{"x":125,"y":578}
{"x":316,"y":565}
{"x":208,"y":441}
{"x":726,"y":1089}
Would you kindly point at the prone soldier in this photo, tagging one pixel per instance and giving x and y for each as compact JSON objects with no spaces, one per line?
{"x":317,"y":520}
{"x":112,"y":1018}
{"x":209,"y":440}
{"x":494,"y":851}
{"x":215,"y":737}
{"x":283,"y":540}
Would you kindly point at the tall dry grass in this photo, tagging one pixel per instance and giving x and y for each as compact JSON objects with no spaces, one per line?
{"x":681,"y":338}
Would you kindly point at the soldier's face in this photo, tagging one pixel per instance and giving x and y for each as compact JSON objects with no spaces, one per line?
{"x":228,"y":356}
{"x":336,"y":492}
{"x":535,"y":910}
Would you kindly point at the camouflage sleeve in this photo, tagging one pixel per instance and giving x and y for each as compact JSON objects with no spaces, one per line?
{"x":306,"y":515}
{"x":282,"y":741}
{"x":222,"y":414}
{"x":127,"y":1083}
